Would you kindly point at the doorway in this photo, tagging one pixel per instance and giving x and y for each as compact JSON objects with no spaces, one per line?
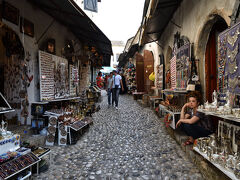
{"x":139,"y":72}
{"x":211,"y":57}
{"x":148,"y":69}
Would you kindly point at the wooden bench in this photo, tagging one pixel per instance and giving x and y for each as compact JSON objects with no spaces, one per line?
{"x":138,"y":95}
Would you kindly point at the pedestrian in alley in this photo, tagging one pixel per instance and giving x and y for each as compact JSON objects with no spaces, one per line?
{"x":124,"y":84}
{"x":192,"y":122}
{"x":109,"y":89}
{"x":117,"y":85}
{"x":99,"y":80}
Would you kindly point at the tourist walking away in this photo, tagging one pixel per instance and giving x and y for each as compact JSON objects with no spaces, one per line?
{"x":124,"y":84}
{"x":109,"y":89}
{"x":117,"y":84}
{"x":195,"y":124}
{"x":99,"y":80}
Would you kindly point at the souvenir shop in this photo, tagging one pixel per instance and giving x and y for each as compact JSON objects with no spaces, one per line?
{"x":62,"y":112}
{"x":130,"y":73}
{"x":182,"y":68}
{"x":222,"y":148}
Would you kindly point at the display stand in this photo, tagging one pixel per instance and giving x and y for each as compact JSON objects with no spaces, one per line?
{"x":42,"y":155}
{"x":174,"y":115}
{"x":153,"y":100}
{"x":180,"y":94}
{"x":225,"y":171}
{"x":17,"y":165}
{"x":227,"y":117}
{"x":4,"y":105}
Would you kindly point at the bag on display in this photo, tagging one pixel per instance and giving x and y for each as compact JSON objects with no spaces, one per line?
{"x":152,"y":76}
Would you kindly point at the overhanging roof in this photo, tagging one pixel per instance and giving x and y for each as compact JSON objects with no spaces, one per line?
{"x":68,"y":13}
{"x":157,"y":23}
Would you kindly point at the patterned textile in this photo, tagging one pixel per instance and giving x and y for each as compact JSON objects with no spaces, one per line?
{"x":173,"y":72}
{"x":228,"y":59}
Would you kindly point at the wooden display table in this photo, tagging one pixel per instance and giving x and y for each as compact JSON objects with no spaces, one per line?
{"x":138,"y":95}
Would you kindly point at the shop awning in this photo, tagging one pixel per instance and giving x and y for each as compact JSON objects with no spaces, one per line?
{"x":68,"y":13}
{"x":125,"y":56}
{"x":159,"y":19}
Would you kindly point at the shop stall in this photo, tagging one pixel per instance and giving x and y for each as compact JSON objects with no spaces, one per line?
{"x":16,"y":161}
{"x":130,"y":74}
{"x":63,"y":109}
{"x":175,"y":97}
{"x":222,"y":148}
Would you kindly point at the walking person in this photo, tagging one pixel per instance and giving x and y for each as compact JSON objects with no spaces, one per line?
{"x":109,"y":89}
{"x":117,"y":85}
{"x":99,"y":80}
{"x":124,"y":84}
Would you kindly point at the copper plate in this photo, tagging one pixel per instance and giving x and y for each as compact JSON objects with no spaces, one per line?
{"x":51,"y":129}
{"x":62,"y":127}
{"x":63,"y":133}
{"x":53,"y":121}
{"x":50,"y":138}
{"x":63,"y":141}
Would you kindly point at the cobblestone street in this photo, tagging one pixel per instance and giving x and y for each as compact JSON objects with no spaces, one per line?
{"x":129,"y":143}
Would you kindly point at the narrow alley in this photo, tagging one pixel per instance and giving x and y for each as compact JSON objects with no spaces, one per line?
{"x":129,"y":143}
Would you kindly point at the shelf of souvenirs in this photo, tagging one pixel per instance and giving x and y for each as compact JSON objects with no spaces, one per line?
{"x":235,"y":116}
{"x":17,"y":163}
{"x":170,"y":109}
{"x":227,"y":172}
{"x":6,"y":110}
{"x":175,"y":91}
{"x":62,"y":99}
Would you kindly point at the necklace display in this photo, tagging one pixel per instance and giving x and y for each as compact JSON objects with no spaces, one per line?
{"x":232,"y":83}
{"x":231,"y":39}
{"x":232,"y":60}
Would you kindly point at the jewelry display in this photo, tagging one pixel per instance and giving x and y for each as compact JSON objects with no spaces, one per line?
{"x":232,"y":37}
{"x":233,"y":83}
{"x":15,"y":165}
{"x":232,"y":60}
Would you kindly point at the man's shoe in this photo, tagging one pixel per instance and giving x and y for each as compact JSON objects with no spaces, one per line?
{"x":116,"y":108}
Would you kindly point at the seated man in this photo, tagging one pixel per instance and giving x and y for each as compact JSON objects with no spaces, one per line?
{"x":192,"y":122}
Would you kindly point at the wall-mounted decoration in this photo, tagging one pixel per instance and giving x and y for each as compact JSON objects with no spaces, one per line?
{"x":229,"y":60}
{"x":51,"y":46}
{"x":46,"y":66}
{"x":26,"y":27}
{"x":183,"y":66}
{"x":10,"y":13}
{"x":173,"y":72}
{"x":61,"y":80}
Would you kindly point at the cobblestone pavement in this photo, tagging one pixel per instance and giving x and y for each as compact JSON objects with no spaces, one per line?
{"x":129,"y":143}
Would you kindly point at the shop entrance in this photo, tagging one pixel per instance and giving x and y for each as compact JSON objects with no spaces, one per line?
{"x":148,"y":69}
{"x":211,"y":58}
{"x":139,"y":72}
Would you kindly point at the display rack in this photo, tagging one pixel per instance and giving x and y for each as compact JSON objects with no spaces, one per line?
{"x":6,"y":106}
{"x":227,"y":117}
{"x":173,"y":123}
{"x":225,"y":171}
{"x":174,"y":91}
{"x":47,"y":152}
{"x":180,"y":94}
{"x":13,"y":164}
